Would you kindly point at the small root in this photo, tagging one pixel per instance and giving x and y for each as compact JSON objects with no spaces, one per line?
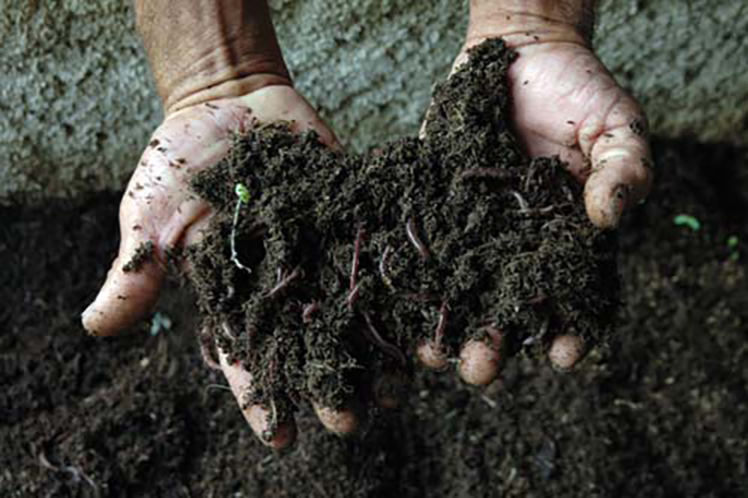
{"x":412,"y":230}
{"x":356,"y":258}
{"x":285,"y":282}
{"x":523,"y":205}
{"x":385,"y":346}
{"x":234,"y":254}
{"x":383,"y":267}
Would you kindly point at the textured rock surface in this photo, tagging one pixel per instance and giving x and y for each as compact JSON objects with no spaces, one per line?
{"x":77,"y":102}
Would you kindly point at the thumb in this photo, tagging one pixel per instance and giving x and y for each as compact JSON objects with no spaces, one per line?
{"x":131,"y":288}
{"x":621,"y":173}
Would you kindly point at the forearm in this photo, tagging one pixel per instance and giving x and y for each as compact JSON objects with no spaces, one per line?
{"x":202,"y":50}
{"x":553,"y":20}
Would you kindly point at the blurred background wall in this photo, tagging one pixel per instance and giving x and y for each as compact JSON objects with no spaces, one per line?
{"x":77,"y":102}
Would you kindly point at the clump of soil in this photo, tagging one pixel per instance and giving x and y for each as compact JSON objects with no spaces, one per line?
{"x":143,"y":254}
{"x":345,"y":263}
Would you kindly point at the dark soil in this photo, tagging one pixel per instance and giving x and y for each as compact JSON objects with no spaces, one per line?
{"x":663,"y":414}
{"x":344,"y":264}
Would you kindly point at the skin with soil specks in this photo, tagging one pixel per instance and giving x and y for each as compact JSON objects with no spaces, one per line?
{"x":354,"y":259}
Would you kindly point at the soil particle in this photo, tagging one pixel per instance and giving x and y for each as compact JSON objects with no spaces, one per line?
{"x":142,"y":255}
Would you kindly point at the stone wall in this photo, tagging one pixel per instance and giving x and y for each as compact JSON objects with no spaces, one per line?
{"x":77,"y":103}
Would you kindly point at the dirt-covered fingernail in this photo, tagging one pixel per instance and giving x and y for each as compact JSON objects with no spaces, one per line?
{"x":618,"y":201}
{"x":432,"y":355}
{"x":340,"y":421}
{"x":566,"y":351}
{"x":279,"y":436}
{"x":605,"y":207}
{"x":480,"y":360}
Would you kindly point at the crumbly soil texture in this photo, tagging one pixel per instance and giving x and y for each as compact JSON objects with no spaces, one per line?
{"x":338,"y":265}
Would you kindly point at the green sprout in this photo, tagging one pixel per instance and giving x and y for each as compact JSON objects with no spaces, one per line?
{"x":732,"y":244}
{"x":242,"y":192}
{"x":160,"y":322}
{"x":687,"y":220}
{"x":242,"y":195}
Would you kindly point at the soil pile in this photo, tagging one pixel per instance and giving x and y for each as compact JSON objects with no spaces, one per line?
{"x":321,"y":267}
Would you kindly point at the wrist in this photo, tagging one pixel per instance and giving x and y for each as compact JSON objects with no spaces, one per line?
{"x":219,"y":81}
{"x":523,"y":23}
{"x":205,"y":50}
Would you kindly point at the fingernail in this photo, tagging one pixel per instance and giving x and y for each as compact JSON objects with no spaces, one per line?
{"x":618,"y":201}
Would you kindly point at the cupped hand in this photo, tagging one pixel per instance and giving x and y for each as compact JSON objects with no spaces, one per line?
{"x":566,"y":103}
{"x":158,"y":212}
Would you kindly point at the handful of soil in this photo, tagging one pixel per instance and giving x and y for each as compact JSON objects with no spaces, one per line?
{"x":322,"y":269}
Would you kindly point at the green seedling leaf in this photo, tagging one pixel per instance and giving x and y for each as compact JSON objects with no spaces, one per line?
{"x":242,"y":192}
{"x":687,"y":220}
{"x":733,"y":241}
{"x":160,"y":322}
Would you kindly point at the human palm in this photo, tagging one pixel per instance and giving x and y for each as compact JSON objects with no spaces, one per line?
{"x":566,"y":103}
{"x":159,"y":212}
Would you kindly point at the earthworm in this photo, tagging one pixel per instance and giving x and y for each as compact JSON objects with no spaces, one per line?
{"x":421,"y":298}
{"x":296,"y":273}
{"x":442,"y":325}
{"x":76,"y":475}
{"x":226,"y":328}
{"x":383,"y":266}
{"x":208,"y":352}
{"x":479,"y":173}
{"x":353,"y":296}
{"x":411,"y":230}
{"x":379,"y":341}
{"x":525,"y":208}
{"x":309,"y":310}
{"x":523,"y":205}
{"x":356,"y":256}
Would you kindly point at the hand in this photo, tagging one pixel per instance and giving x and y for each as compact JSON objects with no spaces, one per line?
{"x":565,"y":103}
{"x":159,"y":209}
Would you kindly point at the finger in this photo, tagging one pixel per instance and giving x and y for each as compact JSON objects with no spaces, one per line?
{"x":342,"y":422}
{"x":621,"y":160}
{"x":481,"y":360}
{"x":132,"y":284}
{"x":432,"y":355}
{"x":566,"y":351}
{"x":260,"y":418}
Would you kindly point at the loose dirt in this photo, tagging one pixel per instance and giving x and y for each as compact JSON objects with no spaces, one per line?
{"x":335,"y":266}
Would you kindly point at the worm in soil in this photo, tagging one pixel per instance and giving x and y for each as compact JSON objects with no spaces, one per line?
{"x":377,"y":339}
{"x":412,"y":230}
